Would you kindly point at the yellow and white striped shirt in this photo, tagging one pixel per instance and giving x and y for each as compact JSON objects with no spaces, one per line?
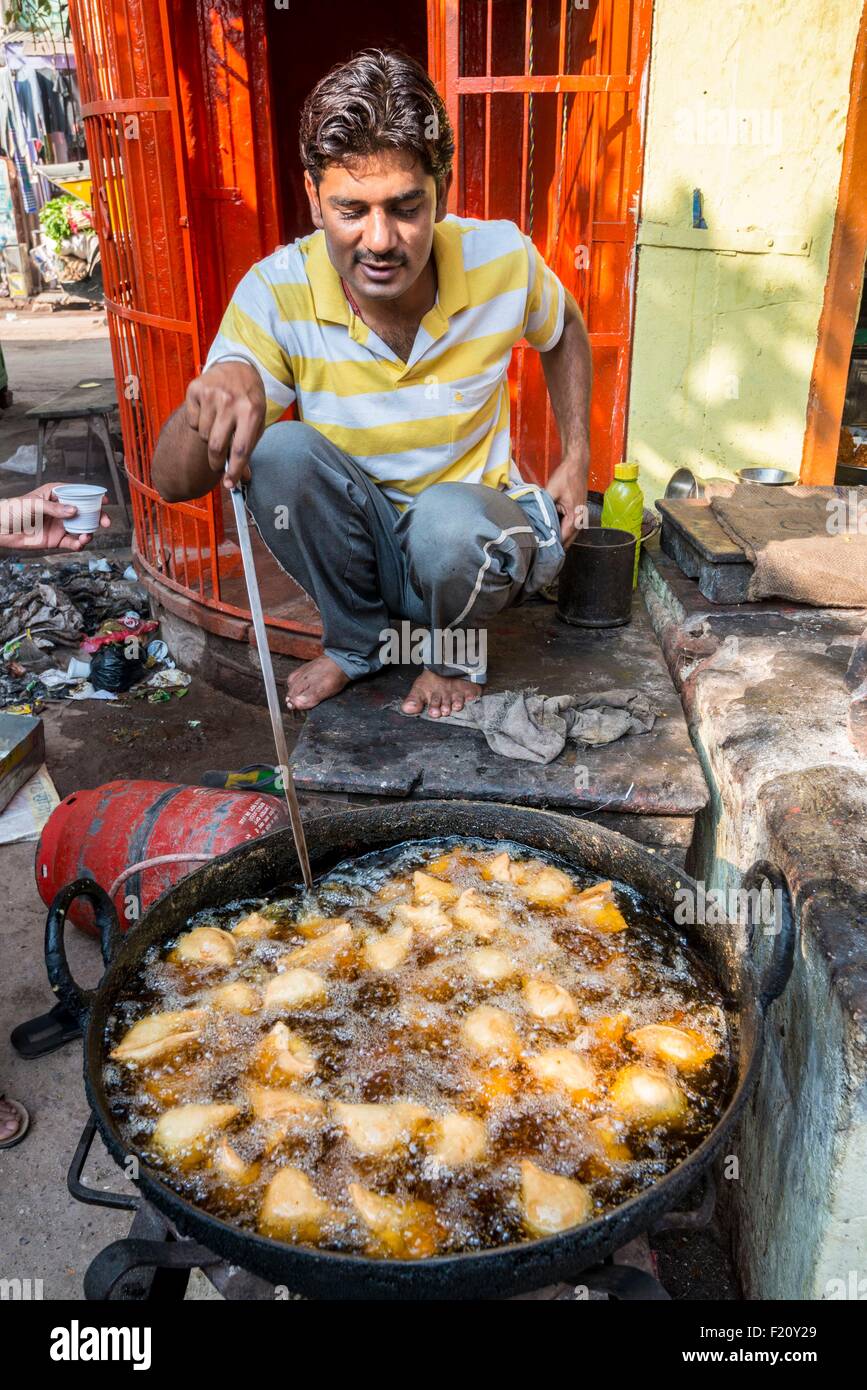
{"x":443,"y":416}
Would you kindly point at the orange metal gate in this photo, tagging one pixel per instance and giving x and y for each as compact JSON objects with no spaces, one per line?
{"x":162,"y":249}
{"x":134,"y":144}
{"x":545,"y":97}
{"x":179,"y":130}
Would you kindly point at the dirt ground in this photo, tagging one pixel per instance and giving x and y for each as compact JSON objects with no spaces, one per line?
{"x":92,"y":742}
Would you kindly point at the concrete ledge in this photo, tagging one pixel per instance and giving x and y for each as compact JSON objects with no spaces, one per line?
{"x":766,"y":704}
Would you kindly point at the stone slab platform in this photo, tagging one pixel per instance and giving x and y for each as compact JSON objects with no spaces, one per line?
{"x":766,"y":704}
{"x":360,"y":744}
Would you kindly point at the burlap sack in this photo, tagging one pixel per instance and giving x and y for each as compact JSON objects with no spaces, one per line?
{"x":805,"y":543}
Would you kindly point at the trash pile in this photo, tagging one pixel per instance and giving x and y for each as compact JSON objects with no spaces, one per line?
{"x":100,"y":614}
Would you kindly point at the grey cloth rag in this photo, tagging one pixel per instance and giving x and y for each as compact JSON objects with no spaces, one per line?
{"x":524,"y":724}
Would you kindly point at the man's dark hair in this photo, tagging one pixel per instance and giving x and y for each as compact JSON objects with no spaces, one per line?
{"x":378,"y":100}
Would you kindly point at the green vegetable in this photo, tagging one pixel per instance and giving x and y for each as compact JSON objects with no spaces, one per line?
{"x":54,"y":218}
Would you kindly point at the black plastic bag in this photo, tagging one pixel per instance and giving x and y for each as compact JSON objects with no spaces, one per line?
{"x":112,"y":669}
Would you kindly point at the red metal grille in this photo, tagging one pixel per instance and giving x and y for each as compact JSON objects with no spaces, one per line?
{"x":134,"y":143}
{"x":177,"y":164}
{"x":544,"y":97}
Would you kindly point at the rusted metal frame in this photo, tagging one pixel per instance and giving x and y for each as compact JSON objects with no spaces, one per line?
{"x":121,"y":209}
{"x":564,"y":58}
{"x":843,"y":287}
{"x":611,"y":231}
{"x":122,"y":163}
{"x":168,"y":68}
{"x":153,"y":320}
{"x":97,"y":146}
{"x":525,"y":154}
{"x":603,"y":340}
{"x":166,"y":528}
{"x":149,"y":533}
{"x":131,"y":105}
{"x":551,"y":83}
{"x":215,"y":98}
{"x":434,"y":65}
{"x":525,"y":133}
{"x":615,"y":336}
{"x":489,"y":40}
{"x":188,"y":521}
{"x":283,"y":624}
{"x":265,"y":160}
{"x":435,"y":42}
{"x":216,"y":195}
{"x":453,"y":105}
{"x":109,"y":249}
{"x":123,"y":182}
{"x":554,"y":223}
{"x":639,"y":64}
{"x":110,"y":182}
{"x":156,"y":343}
{"x":594,"y":117}
{"x":181,"y":551}
{"x":116,"y":171}
{"x":90,"y":28}
{"x":184,"y":216}
{"x":118,"y":364}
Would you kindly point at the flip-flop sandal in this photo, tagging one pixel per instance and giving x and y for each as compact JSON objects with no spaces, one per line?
{"x":39,"y":1036}
{"x":23,"y":1124}
{"x":260,"y":777}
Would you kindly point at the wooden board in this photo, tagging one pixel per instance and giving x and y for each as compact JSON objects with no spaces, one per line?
{"x":693,"y":518}
{"x":694,"y":539}
{"x":78,"y":401}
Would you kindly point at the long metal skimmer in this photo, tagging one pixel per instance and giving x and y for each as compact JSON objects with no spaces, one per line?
{"x":270,"y":683}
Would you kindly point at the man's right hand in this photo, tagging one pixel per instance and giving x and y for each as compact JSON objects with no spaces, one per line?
{"x":226,"y":408}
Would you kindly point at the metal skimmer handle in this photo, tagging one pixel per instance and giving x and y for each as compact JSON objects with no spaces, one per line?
{"x":270,"y":683}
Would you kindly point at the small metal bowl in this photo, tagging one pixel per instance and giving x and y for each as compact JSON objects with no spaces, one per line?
{"x":682,"y":483}
{"x":768,"y":477}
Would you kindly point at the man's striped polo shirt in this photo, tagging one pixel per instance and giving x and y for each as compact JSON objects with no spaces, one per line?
{"x":443,"y":416}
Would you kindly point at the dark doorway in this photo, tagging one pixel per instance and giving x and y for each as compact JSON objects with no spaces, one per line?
{"x":303,"y":44}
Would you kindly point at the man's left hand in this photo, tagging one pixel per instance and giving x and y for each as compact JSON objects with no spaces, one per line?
{"x":567,"y":486}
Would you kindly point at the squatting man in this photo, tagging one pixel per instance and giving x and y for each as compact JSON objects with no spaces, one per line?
{"x":391,"y":328}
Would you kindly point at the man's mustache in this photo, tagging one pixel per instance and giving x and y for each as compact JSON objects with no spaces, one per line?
{"x":379,"y":265}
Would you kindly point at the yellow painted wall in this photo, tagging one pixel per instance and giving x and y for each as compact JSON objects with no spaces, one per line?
{"x":747,"y":101}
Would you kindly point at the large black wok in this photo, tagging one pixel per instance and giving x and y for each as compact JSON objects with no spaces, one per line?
{"x":261,"y":867}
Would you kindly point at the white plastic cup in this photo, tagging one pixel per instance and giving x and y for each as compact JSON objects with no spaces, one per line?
{"x":87,"y":497}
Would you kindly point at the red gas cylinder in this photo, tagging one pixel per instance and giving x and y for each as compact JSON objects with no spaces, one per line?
{"x":99,"y":833}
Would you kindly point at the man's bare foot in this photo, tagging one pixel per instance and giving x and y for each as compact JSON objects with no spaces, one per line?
{"x":443,"y":695}
{"x":314,"y":682}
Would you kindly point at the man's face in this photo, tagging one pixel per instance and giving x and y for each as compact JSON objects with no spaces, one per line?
{"x":378,"y":216}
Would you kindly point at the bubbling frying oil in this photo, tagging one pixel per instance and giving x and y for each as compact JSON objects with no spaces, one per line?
{"x":445,"y":1047}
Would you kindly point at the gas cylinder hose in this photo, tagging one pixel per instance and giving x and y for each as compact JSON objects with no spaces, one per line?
{"x":152,"y":863}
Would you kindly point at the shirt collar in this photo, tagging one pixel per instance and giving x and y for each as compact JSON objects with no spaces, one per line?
{"x":330,"y":302}
{"x":452,"y":293}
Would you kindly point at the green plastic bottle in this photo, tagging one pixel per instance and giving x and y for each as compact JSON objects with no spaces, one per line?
{"x":623,"y":506}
